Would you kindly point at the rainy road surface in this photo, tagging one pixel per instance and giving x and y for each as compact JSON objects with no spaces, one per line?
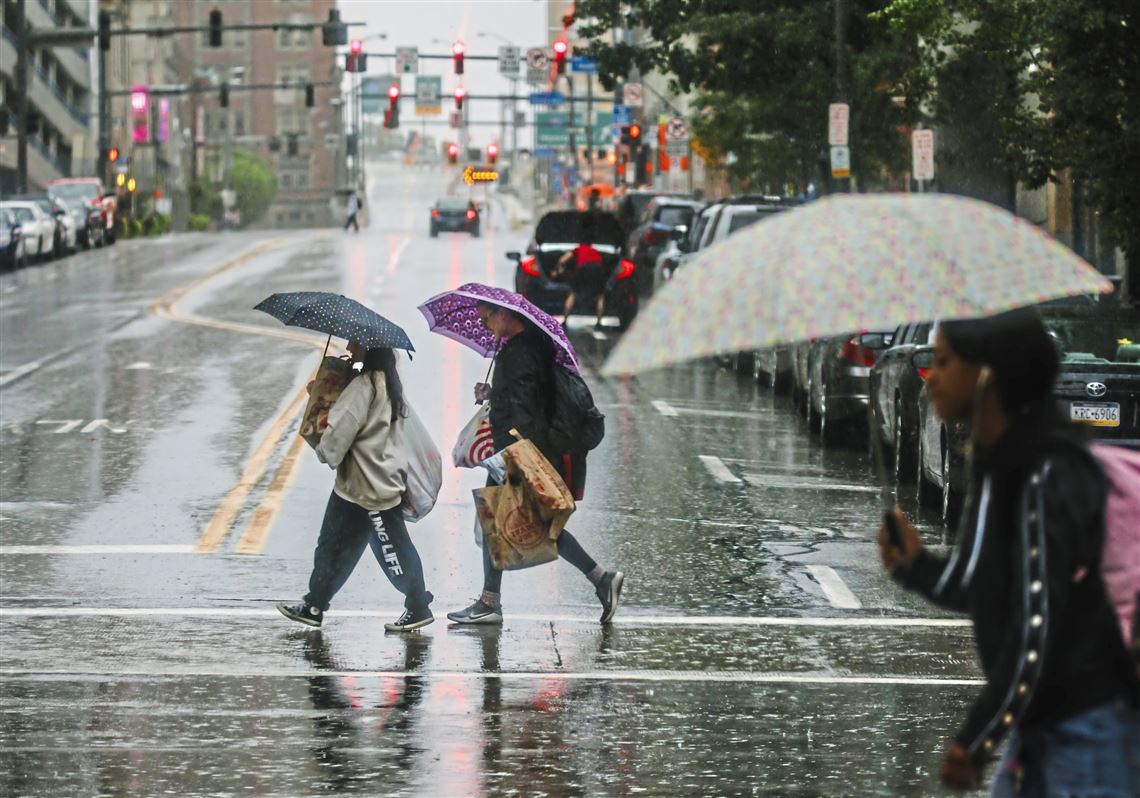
{"x":155,"y":502}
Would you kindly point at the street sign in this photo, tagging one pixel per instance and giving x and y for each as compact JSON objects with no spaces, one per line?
{"x":509,"y":57}
{"x":547,"y":98}
{"x":407,"y":60}
{"x":837,"y":116}
{"x":473,"y":175}
{"x":631,"y":95}
{"x":623,"y":115}
{"x":677,"y":136}
{"x":544,"y":152}
{"x":552,"y":129}
{"x":428,"y":91}
{"x":375,"y":93}
{"x":581,"y":63}
{"x":922,"y":154}
{"x":537,"y":65}
{"x":840,"y":162}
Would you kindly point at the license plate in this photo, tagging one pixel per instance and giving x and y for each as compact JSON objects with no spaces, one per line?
{"x":1103,"y":414}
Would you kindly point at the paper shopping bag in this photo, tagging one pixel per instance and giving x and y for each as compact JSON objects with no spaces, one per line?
{"x":475,"y":443}
{"x":333,"y":375}
{"x":542,"y":485}
{"x":514,"y":533}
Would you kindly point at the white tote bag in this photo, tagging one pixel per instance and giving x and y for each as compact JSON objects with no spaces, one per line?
{"x":425,"y":468}
{"x":475,"y":443}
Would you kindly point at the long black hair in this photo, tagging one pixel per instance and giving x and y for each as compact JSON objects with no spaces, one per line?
{"x":384,"y":359}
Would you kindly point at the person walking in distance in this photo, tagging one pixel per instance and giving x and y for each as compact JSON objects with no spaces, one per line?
{"x":1060,"y":682}
{"x":351,"y":209}
{"x":521,"y":396}
{"x":362,"y":442}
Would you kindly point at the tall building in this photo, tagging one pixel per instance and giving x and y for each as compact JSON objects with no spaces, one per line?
{"x":60,"y":100}
{"x":297,"y":142}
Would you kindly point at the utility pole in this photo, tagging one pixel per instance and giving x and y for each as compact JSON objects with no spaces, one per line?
{"x":841,"y":67}
{"x":590,"y":123}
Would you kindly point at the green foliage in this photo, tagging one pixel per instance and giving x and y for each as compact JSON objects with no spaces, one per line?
{"x":199,"y":223}
{"x":256,"y":187}
{"x":764,"y":73}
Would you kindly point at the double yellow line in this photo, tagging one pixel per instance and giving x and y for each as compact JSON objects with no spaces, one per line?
{"x":257,"y":532}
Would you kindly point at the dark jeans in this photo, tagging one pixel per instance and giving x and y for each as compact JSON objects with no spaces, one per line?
{"x":351,"y":220}
{"x":569,"y":549}
{"x":346,"y":530}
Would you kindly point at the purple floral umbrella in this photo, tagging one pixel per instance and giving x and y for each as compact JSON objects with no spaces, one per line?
{"x":453,"y":314}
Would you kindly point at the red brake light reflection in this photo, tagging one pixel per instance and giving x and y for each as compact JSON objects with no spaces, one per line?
{"x":530,"y":266}
{"x":625,"y":270}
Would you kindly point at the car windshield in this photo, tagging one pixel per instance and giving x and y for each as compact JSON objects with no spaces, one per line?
{"x":453,"y":205}
{"x":676,"y":215}
{"x":80,"y":191}
{"x":1096,"y":337}
{"x":742,"y":219}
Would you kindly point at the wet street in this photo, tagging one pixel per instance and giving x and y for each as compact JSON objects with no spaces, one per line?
{"x":156,"y":501}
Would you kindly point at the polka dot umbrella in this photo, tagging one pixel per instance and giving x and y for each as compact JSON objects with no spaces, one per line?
{"x":337,"y":315}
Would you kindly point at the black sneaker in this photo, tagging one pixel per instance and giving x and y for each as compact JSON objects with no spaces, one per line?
{"x":411,"y":619}
{"x":301,"y":613}
{"x":609,"y":593}
{"x":476,"y":613}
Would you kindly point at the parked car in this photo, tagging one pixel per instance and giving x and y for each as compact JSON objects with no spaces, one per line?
{"x":456,"y":215}
{"x":895,"y":384}
{"x":654,"y":232}
{"x":559,"y":232}
{"x":64,"y":238}
{"x":631,"y":207}
{"x":839,"y":381}
{"x":89,"y":193}
{"x":11,"y":241}
{"x":941,"y":453}
{"x":36,"y":227}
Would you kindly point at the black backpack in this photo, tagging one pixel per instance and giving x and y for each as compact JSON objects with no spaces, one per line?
{"x":576,"y":425}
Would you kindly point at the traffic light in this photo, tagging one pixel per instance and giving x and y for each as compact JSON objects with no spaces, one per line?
{"x":631,"y":134}
{"x":224,"y":95}
{"x":120,"y":180}
{"x":492,"y":153}
{"x":334,"y":32}
{"x":215,"y":28}
{"x":131,"y":185}
{"x":457,"y":53}
{"x":453,"y":153}
{"x":356,"y":61}
{"x":113,"y":154}
{"x":392,"y":115}
{"x":104,"y":31}
{"x":560,"y":50}
{"x":310,"y":95}
{"x":460,"y":93}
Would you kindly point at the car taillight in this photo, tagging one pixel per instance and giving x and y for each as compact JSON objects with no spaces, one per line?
{"x":470,"y":214}
{"x":530,"y":266}
{"x":625,"y":270}
{"x":923,"y":373}
{"x":855,"y":352}
{"x":435,"y":213}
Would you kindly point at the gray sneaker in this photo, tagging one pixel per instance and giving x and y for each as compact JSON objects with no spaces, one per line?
{"x":609,"y":593}
{"x":476,"y":613}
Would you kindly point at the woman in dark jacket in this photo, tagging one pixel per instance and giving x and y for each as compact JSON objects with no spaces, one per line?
{"x":1059,"y":680}
{"x":522,"y":397}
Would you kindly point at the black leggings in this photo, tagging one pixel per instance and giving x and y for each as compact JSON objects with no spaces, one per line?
{"x":569,"y":549}
{"x":345,"y":531}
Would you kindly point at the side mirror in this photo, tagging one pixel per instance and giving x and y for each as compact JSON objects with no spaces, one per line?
{"x":514,"y":255}
{"x":874,"y":340}
{"x":679,"y":233}
{"x":922,"y":360}
{"x":16,"y":230}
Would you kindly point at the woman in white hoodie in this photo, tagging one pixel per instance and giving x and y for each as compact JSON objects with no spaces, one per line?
{"x":363,"y":443}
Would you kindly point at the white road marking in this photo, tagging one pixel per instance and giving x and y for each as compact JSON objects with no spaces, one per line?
{"x":599,"y":335}
{"x":742,"y":677}
{"x":23,"y":370}
{"x":780,"y":481}
{"x":107,"y":549}
{"x":719,"y":470}
{"x":140,"y":365}
{"x":834,"y":588}
{"x":66,"y":425}
{"x":871,"y":622}
{"x":664,"y":408}
{"x":102,"y":422}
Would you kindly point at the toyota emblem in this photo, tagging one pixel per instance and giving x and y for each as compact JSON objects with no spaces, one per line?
{"x":1096,"y":389}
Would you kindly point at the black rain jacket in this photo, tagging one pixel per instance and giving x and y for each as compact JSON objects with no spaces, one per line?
{"x":1027,"y":571}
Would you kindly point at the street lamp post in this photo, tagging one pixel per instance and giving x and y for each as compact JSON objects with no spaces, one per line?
{"x":514,"y":93}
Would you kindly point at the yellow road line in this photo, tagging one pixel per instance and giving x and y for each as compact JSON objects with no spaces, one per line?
{"x":257,"y":532}
{"x":216,"y":531}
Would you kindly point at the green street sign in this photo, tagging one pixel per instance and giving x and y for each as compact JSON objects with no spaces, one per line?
{"x":553,"y":129}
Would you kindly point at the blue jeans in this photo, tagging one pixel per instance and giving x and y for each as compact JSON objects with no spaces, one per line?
{"x":1094,"y":755}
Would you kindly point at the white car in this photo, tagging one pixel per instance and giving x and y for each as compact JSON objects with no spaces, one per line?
{"x":36,"y":228}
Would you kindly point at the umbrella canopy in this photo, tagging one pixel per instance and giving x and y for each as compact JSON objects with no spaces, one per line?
{"x":454,"y":314}
{"x":336,"y":315}
{"x":851,"y":262}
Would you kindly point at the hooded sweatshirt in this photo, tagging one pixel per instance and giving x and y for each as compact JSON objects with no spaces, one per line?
{"x":363,"y":445}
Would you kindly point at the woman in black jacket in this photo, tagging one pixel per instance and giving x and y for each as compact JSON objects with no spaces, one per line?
{"x":1059,"y":679}
{"x":522,"y":398}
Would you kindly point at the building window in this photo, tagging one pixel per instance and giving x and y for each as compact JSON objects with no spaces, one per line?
{"x":294,"y":75}
{"x":292,"y":120}
{"x":295,"y":39}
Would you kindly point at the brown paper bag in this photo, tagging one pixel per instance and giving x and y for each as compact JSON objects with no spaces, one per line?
{"x":331,"y":378}
{"x":522,"y":519}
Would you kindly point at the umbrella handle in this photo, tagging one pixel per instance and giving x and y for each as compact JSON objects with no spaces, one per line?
{"x":480,"y":401}
{"x":327,"y":342}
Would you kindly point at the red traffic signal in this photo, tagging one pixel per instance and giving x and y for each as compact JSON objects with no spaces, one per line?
{"x":460,"y":93}
{"x":113,"y":154}
{"x":356,"y":46}
{"x":635,"y":133}
{"x":492,"y":153}
{"x":457,"y":50}
{"x":560,"y":50}
{"x":452,"y":153}
{"x":393,"y":92}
